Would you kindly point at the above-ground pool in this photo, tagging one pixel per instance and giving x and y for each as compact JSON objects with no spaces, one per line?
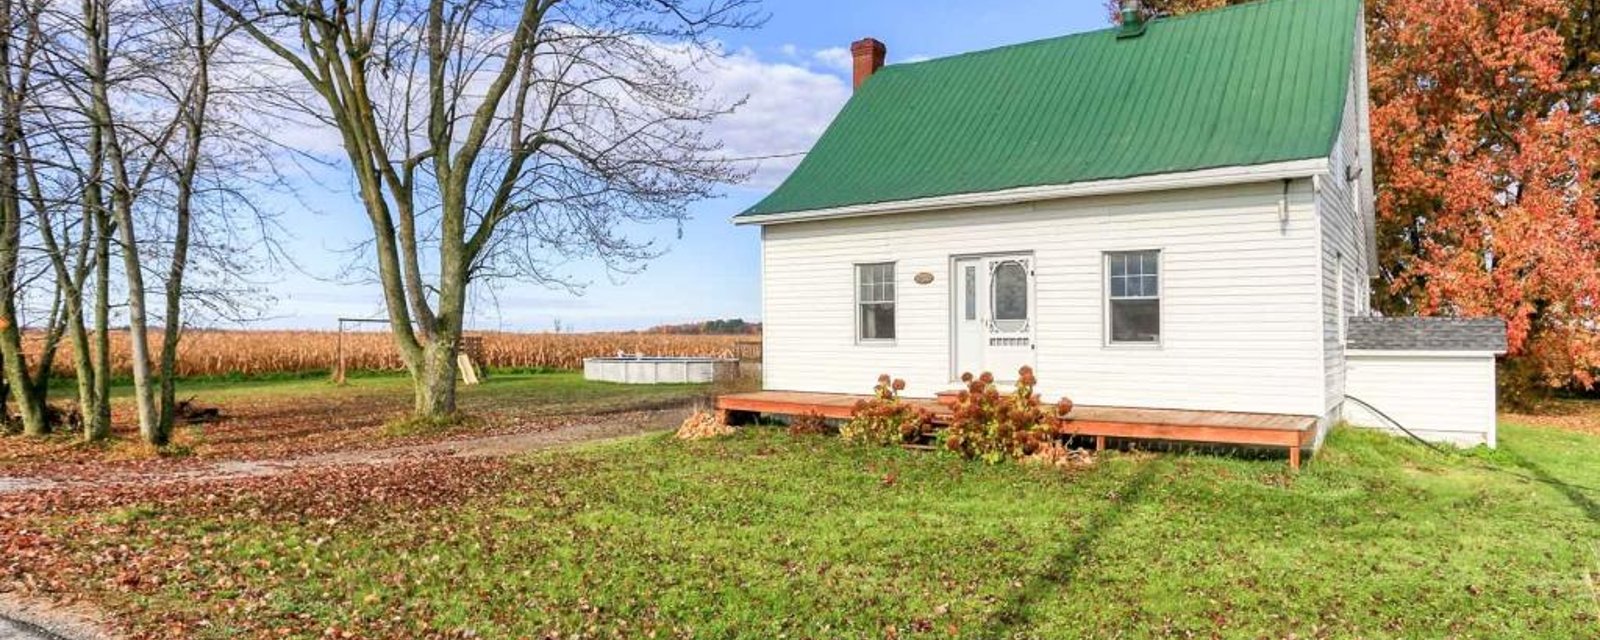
{"x":659,"y":369}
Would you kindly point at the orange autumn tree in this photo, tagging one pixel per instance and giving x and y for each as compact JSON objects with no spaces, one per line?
{"x":1486,"y":145}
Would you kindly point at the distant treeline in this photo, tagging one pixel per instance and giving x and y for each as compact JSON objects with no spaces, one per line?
{"x":726,"y":327}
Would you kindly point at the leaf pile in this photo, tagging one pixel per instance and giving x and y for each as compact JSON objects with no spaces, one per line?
{"x":120,"y":546}
{"x":257,"y":428}
{"x":702,"y":425}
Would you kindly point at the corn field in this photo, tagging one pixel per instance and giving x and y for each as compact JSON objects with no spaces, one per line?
{"x":212,"y":353}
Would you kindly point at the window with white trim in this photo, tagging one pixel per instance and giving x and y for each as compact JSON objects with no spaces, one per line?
{"x":1008,"y":295}
{"x":1352,"y":176}
{"x":1133,"y":297}
{"x":875,"y":302}
{"x":1339,"y":307}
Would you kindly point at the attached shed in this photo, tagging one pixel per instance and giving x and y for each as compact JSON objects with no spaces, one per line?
{"x":1433,"y":376}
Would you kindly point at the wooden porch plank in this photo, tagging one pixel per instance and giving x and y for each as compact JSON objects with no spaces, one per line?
{"x":1191,"y":418}
{"x":787,"y":407}
{"x":1224,"y":435}
{"x":1099,"y":422}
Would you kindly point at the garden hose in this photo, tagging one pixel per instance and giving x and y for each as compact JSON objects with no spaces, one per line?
{"x":1396,"y":423}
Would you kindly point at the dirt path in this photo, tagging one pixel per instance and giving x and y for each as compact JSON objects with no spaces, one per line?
{"x":22,"y":619}
{"x":17,"y":630}
{"x":598,"y":428}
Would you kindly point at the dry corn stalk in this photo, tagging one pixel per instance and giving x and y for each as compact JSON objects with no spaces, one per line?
{"x":215,"y":352}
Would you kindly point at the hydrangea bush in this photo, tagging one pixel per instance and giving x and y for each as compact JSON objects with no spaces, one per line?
{"x":885,"y":419}
{"x":991,"y":425}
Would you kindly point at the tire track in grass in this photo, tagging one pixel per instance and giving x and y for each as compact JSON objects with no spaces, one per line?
{"x":1065,"y":564}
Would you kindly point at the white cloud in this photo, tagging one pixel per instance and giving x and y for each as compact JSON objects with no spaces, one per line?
{"x":835,"y":58}
{"x":789,"y":99}
{"x":787,"y":107}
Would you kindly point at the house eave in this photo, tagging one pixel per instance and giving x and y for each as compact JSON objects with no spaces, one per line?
{"x":1219,"y":176}
{"x":1424,"y":353}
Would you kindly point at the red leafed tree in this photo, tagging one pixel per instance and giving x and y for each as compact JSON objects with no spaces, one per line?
{"x":1486,"y":145}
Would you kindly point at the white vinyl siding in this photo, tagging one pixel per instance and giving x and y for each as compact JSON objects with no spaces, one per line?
{"x":1240,"y":304}
{"x":1344,"y":209}
{"x":1443,"y":398}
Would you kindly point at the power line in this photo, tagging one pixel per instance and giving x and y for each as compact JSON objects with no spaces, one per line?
{"x":770,"y":157}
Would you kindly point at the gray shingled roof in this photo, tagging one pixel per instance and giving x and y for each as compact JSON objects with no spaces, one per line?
{"x":1426,"y":334}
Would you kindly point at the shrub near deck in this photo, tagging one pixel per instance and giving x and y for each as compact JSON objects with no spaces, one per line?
{"x":764,"y":534}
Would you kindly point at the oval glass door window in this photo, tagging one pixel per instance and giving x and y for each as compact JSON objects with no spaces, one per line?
{"x":1009,"y":296}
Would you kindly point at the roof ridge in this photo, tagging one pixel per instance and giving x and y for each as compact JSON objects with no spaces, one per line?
{"x":1083,"y":34}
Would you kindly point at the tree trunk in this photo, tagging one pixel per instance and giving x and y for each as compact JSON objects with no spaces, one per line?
{"x":133,"y":271}
{"x":90,"y":357}
{"x":15,"y":363}
{"x":150,"y":427}
{"x":194,"y":120}
{"x":435,"y":381}
{"x":97,"y":418}
{"x":12,"y":93}
{"x":83,"y":364}
{"x":97,"y":36}
{"x":30,"y":409}
{"x":169,"y":362}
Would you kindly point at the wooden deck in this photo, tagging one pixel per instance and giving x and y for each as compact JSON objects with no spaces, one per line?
{"x":1220,"y":427}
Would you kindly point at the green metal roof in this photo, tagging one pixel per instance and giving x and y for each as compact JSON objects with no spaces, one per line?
{"x":1248,"y":84}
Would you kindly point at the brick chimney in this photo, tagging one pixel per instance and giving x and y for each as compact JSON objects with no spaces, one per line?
{"x":868,"y":55}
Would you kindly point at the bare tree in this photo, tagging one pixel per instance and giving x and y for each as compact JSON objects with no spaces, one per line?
{"x":62,"y":160}
{"x":158,"y":162}
{"x":488,"y":138}
{"x":191,"y":97}
{"x":20,"y":46}
{"x":78,"y":248}
{"x":112,"y":146}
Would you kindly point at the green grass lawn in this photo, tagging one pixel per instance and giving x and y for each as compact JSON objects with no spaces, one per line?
{"x":764,"y":535}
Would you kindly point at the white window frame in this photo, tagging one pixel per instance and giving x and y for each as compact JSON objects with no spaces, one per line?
{"x":1338,"y":292}
{"x":893,"y":302}
{"x":1160,"y":298}
{"x":1352,"y":175}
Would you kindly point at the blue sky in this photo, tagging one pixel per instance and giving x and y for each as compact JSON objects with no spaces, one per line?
{"x":794,"y":70}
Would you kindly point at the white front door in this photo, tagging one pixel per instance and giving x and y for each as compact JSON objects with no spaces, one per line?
{"x":994,"y":315}
{"x":969,"y":326}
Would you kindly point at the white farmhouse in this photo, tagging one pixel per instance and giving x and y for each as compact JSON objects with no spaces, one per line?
{"x":1171,"y":222}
